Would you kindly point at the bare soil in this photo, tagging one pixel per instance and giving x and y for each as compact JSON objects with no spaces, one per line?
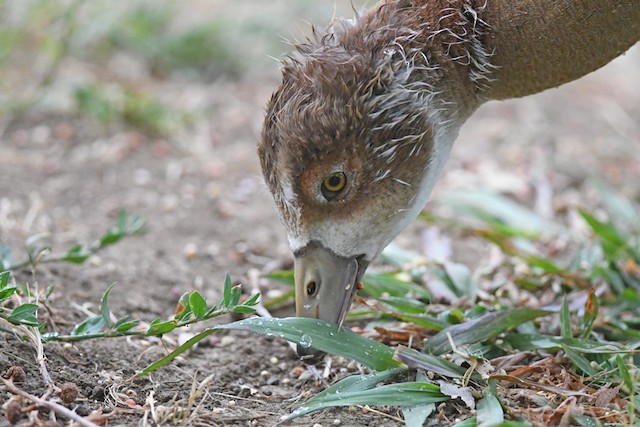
{"x":208,"y":213}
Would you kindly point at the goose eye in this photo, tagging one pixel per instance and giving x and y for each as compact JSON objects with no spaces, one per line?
{"x":333,"y":184}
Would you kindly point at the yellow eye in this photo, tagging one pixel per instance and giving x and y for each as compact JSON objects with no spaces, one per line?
{"x":333,"y":184}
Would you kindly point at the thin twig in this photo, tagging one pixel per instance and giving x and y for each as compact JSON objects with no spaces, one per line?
{"x":367,"y":408}
{"x":48,"y":404}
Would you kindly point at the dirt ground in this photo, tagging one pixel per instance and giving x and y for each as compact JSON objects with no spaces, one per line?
{"x":209,"y":213}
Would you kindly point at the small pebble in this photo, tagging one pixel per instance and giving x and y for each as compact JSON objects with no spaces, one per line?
{"x":69,"y":392}
{"x":231,"y":403}
{"x":306,"y":375}
{"x":286,"y":381}
{"x":264,"y":373}
{"x":337,"y":422}
{"x":274,"y":360}
{"x":16,"y":374}
{"x":227,"y":340}
{"x":317,"y":425}
{"x":13,"y":412}
{"x":40,"y":134}
{"x":296,"y":372}
{"x":190,"y":250}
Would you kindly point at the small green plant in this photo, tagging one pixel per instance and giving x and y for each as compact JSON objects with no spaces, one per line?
{"x":38,"y":253}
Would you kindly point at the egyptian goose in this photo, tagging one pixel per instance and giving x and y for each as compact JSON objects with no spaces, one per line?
{"x":358,"y":132}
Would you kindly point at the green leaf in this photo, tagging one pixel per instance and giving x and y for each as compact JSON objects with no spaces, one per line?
{"x":183,"y":310}
{"x":459,"y":277}
{"x":226,"y":293}
{"x":435,"y":364}
{"x":565,"y":319}
{"x":24,"y":314}
{"x":480,"y":329}
{"x":415,"y":416}
{"x":198,"y":304}
{"x":90,"y":326}
{"x":104,"y":308}
{"x":579,"y":361}
{"x":77,"y":254}
{"x":528,"y":342}
{"x":322,"y":336}
{"x":253,"y":299}
{"x":360,"y":382}
{"x":236,"y":293}
{"x":159,"y":328}
{"x":124,"y":324}
{"x":175,"y":353}
{"x":243,"y":309}
{"x":617,"y":206}
{"x":498,"y":212}
{"x":378,"y":285}
{"x":402,"y":394}
{"x":122,"y":221}
{"x":109,"y":238}
{"x":489,"y":412}
{"x":4,"y":279}
{"x":611,"y":240}
{"x":624,"y":374}
{"x":5,"y":257}
{"x":586,"y":421}
{"x":405,"y":305}
{"x":7,"y":292}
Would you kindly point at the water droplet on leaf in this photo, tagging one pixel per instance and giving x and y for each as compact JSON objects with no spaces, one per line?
{"x":305,"y":341}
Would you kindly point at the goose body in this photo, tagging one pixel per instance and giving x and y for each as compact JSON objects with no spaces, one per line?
{"x":362,"y":124}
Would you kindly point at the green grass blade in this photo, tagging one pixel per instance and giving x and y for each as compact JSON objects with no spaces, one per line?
{"x":579,"y":361}
{"x":226,"y":293}
{"x":415,"y":359}
{"x":175,"y":353}
{"x":480,"y":329}
{"x":528,"y":342}
{"x":285,"y":277}
{"x":498,"y":212}
{"x":489,"y":412}
{"x":613,"y":243}
{"x":104,"y":307}
{"x":323,"y":336}
{"x":565,"y":319}
{"x":4,"y":279}
{"x":619,"y":207}
{"x":378,"y":284}
{"x":624,"y":374}
{"x":402,"y":394}
{"x":586,"y":421}
{"x":415,"y":416}
{"x":360,"y":382}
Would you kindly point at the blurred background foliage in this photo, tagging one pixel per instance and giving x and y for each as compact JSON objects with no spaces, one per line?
{"x":105,"y":59}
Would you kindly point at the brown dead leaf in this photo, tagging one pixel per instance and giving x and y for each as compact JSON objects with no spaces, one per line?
{"x":605,"y":395}
{"x":453,"y":390}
